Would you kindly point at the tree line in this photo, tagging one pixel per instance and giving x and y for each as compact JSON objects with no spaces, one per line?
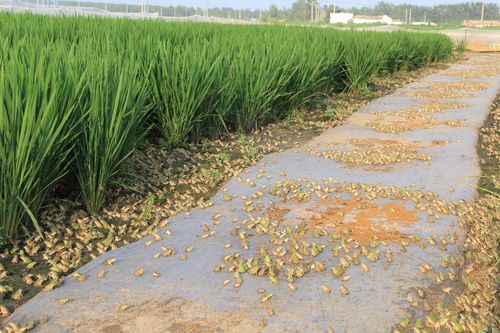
{"x":300,"y":11}
{"x":440,"y":13}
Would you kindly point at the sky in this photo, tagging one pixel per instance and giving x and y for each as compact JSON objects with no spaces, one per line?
{"x":262,"y":4}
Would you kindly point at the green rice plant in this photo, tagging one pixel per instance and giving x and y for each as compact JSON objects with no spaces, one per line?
{"x":37,"y":127}
{"x":461,"y":46}
{"x":362,"y":59}
{"x":334,"y":66}
{"x":185,"y":90}
{"x":442,"y":47}
{"x":308,"y":77}
{"x":113,"y":114}
{"x":394,"y":60}
{"x":422,"y":49}
{"x":260,"y":79}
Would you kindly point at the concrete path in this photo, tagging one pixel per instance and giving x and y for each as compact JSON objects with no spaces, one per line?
{"x":332,"y":235}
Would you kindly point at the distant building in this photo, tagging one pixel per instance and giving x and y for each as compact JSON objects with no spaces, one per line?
{"x":432,"y":24}
{"x":363,"y":19}
{"x":345,"y":18}
{"x":479,"y":24}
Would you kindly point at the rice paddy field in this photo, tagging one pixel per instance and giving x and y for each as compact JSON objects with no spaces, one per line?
{"x":77,"y":95}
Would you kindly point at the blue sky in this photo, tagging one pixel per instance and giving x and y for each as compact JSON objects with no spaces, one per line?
{"x":255,"y":4}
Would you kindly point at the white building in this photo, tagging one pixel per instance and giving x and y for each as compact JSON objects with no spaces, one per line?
{"x":346,"y":18}
{"x":343,"y":18}
{"x":424,"y":23}
{"x":363,"y":19}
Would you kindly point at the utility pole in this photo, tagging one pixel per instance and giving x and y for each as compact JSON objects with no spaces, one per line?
{"x":206,"y":8}
{"x":334,"y":7}
{"x":482,"y":12}
{"x":312,"y":11}
{"x":425,"y":17}
{"x":406,"y":16}
{"x":409,"y":16}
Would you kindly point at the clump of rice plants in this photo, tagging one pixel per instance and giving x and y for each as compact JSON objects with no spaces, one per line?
{"x":186,"y":90}
{"x":461,"y":46}
{"x":362,"y":59}
{"x":113,"y":116}
{"x":37,"y":126}
{"x":311,"y":70}
{"x":260,"y":80}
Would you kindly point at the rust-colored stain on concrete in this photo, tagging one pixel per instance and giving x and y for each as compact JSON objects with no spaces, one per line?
{"x":439,"y":143}
{"x":364,"y":221}
{"x":277,"y":213}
